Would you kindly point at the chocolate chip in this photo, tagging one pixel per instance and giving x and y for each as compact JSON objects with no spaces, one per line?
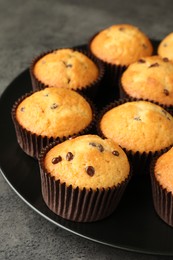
{"x":154,"y":65}
{"x":165,"y":59}
{"x":137,"y":118}
{"x":22,"y":109}
{"x":69,"y":156}
{"x":68,"y":81}
{"x":69,"y":65}
{"x":46,"y":95}
{"x":144,"y":46}
{"x":166,"y":92}
{"x":56,"y":160}
{"x":141,"y":61}
{"x":92,"y":144}
{"x":54,"y":106}
{"x":90,"y":170}
{"x":121,"y":28}
{"x":116,"y":153}
{"x":85,"y":66}
{"x":98,"y":146}
{"x":165,"y":45}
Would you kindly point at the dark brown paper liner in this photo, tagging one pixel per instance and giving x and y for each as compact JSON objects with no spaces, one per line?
{"x":124,"y":94}
{"x":89,"y":90}
{"x":140,"y":161}
{"x":80,"y":205}
{"x":162,"y":199}
{"x":31,"y":143}
{"x":111,"y":86}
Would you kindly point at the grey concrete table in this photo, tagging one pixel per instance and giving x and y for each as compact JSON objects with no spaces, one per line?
{"x":26,"y":29}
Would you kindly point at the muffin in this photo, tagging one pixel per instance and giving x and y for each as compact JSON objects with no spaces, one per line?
{"x":84,"y":178}
{"x":121,"y":44}
{"x":50,"y":114}
{"x":118,"y":46}
{"x":165,"y":48}
{"x":149,"y":78}
{"x":67,"y":68}
{"x":162,"y":186}
{"x":141,"y":128}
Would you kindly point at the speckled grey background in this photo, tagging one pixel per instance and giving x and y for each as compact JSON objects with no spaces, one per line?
{"x":26,"y":29}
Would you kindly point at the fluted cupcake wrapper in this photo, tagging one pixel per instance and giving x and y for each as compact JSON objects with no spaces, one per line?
{"x":162,"y":199}
{"x":31,"y":143}
{"x":140,"y":161}
{"x":112,"y":76}
{"x":79,"y":205}
{"x":90,"y":90}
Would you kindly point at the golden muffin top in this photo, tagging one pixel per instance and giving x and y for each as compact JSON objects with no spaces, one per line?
{"x":138,"y":126}
{"x":54,"y":112}
{"x":150,"y":78}
{"x":88,"y":161}
{"x":66,"y":68}
{"x":121,"y":44}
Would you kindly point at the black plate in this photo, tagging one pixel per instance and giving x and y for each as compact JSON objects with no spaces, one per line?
{"x":133,"y":226}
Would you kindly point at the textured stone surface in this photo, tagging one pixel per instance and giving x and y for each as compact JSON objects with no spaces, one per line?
{"x":26,"y":29}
